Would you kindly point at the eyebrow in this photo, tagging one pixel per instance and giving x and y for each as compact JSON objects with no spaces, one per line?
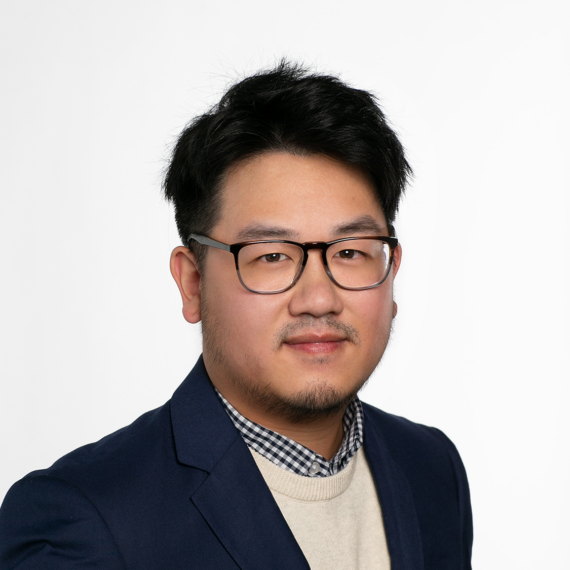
{"x":262,"y":231}
{"x":364,"y":224}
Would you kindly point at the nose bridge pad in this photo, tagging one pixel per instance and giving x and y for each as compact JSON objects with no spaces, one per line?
{"x":326,"y":264}
{"x":322,"y":247}
{"x":324,"y":257}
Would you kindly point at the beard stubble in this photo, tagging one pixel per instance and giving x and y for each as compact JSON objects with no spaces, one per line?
{"x":317,"y":401}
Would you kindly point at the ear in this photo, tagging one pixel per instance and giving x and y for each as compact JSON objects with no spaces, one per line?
{"x":185,"y":272}
{"x":396,"y":259}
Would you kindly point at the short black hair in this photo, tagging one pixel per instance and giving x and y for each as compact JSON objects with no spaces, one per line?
{"x":285,"y":109}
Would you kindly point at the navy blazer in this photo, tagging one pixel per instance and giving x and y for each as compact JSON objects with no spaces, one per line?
{"x":179,"y":489}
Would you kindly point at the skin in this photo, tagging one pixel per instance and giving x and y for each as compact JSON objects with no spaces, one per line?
{"x":290,"y":361}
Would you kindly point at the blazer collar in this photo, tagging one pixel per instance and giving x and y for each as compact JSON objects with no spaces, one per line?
{"x":203,"y":432}
{"x":233,"y":498}
{"x":396,"y":500}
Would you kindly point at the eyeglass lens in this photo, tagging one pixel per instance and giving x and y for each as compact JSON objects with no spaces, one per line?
{"x":267,"y":267}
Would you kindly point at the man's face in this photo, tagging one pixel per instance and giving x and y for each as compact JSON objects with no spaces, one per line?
{"x":310,"y":348}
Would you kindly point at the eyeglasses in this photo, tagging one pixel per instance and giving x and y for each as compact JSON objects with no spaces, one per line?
{"x":274,"y":266}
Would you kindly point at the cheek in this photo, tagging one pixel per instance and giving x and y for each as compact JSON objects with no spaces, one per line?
{"x":258,"y":318}
{"x":374,"y":312}
{"x":249,"y":321}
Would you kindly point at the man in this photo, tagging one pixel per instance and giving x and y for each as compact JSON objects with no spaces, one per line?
{"x":285,"y":195}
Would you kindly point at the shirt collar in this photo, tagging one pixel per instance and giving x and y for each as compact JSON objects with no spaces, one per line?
{"x":294,"y":457}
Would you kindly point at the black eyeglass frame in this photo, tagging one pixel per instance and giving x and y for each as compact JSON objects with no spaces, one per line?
{"x":235,"y":248}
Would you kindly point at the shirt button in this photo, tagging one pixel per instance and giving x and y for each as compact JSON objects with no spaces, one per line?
{"x":314,"y":468}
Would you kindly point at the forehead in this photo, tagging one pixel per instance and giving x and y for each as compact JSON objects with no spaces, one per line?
{"x":306,"y":197}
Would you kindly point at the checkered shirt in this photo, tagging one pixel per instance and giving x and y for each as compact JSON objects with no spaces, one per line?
{"x":293,"y":456}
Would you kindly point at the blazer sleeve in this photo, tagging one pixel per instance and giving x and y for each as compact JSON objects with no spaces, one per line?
{"x":50,"y":524}
{"x":463,"y":499}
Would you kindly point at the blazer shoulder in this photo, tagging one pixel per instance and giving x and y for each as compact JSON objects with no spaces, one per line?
{"x":124,"y":445}
{"x":406,"y":439}
{"x":47,"y":522}
{"x":117,"y":465}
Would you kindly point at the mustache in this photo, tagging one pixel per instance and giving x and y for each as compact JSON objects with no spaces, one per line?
{"x":308,"y":323}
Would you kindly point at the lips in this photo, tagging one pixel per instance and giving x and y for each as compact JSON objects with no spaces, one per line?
{"x":315,"y":338}
{"x":314,"y":343}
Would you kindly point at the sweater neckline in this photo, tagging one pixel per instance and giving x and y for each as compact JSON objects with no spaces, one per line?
{"x":304,"y":488}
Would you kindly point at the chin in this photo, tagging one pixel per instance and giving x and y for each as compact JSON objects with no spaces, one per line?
{"x":319,"y":400}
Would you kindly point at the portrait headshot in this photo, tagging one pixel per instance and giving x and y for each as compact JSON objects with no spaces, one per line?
{"x":284,"y":288}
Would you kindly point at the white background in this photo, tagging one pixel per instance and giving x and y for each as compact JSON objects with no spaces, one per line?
{"x":94,"y":93}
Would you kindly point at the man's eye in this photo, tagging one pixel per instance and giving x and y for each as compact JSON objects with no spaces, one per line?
{"x":349,"y":253}
{"x":273,"y":257}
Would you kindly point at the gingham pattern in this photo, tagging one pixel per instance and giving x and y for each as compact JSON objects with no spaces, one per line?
{"x":293,"y":456}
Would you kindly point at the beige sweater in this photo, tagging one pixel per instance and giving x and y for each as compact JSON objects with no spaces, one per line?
{"x":336,"y":520}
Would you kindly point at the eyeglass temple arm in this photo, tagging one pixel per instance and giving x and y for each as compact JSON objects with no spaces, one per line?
{"x":211,"y":242}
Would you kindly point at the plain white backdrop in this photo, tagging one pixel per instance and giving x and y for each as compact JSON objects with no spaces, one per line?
{"x":91,"y":331}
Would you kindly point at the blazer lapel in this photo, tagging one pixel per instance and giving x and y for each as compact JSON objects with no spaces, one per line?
{"x":240,"y":509}
{"x":233,"y":498}
{"x":398,"y":508}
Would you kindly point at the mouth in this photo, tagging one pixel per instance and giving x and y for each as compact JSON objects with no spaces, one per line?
{"x":316,"y":343}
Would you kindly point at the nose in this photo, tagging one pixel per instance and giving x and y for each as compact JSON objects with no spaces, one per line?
{"x":315,"y":294}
